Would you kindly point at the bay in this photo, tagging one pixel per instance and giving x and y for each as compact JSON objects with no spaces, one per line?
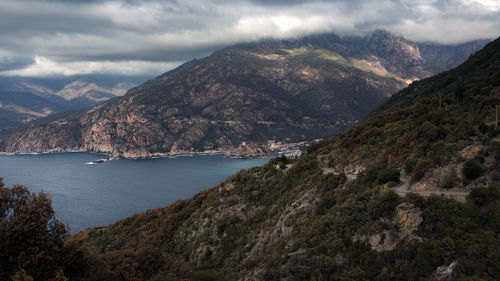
{"x":89,"y":195}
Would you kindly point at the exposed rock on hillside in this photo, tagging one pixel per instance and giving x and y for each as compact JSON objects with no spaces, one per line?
{"x":444,"y":272}
{"x":405,"y":222}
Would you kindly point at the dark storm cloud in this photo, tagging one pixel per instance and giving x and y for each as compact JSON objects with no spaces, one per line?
{"x":138,"y":36}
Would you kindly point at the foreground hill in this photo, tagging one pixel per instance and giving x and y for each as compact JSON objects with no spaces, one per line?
{"x":333,"y":214}
{"x":292,"y":90}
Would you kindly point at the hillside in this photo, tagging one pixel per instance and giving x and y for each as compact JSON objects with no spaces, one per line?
{"x":23,"y":100}
{"x":19,"y":108}
{"x":290,"y":90}
{"x":336,"y":213}
{"x":80,"y":93}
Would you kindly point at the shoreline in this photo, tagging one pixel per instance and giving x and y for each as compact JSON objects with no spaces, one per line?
{"x":245,"y":150}
{"x":153,"y":156}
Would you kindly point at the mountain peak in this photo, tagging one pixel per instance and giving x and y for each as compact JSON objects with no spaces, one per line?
{"x":84,"y":89}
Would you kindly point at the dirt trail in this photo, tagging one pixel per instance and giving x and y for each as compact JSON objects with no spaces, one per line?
{"x":404,"y":188}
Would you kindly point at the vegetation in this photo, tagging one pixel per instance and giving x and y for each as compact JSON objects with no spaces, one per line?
{"x":319,"y":245}
{"x":32,"y":245}
{"x":298,"y":219}
{"x":428,"y":123}
{"x":472,"y":169}
{"x":331,"y":214}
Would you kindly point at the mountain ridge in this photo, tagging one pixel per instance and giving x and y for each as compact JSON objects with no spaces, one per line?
{"x":335,"y":213}
{"x":26,"y":99}
{"x":299,"y":90}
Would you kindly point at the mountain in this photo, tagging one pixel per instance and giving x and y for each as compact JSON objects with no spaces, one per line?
{"x":411,"y":193}
{"x":292,"y":90}
{"x":82,"y":94}
{"x":18,"y":84}
{"x":17,"y":109}
{"x":26,"y":99}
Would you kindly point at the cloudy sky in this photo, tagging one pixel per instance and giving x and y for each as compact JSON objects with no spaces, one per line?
{"x":47,"y":38}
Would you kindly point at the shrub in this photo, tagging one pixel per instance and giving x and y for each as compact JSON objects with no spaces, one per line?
{"x":207,"y":275}
{"x":420,"y":170}
{"x":410,"y":165}
{"x":389,"y":175}
{"x":472,"y":169}
{"x":483,"y":196}
{"x":448,"y":182}
{"x":384,"y":205}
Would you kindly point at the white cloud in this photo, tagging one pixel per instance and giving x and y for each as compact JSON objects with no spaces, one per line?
{"x":47,"y":67}
{"x":98,"y":36}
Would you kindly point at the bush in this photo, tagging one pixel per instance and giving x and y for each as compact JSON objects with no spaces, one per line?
{"x":482,"y":196}
{"x":207,"y":275}
{"x":472,"y":169}
{"x":448,"y":182}
{"x":389,"y":175}
{"x":21,"y":275}
{"x":410,"y":165}
{"x":420,"y":170}
{"x":384,"y":205}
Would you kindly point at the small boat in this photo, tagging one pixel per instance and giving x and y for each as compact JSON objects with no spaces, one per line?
{"x":98,"y":161}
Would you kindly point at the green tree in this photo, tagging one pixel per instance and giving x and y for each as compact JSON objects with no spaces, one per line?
{"x":21,"y":275}
{"x":32,"y":240}
{"x":472,"y":169}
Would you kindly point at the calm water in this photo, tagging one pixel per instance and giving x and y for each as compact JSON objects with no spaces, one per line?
{"x":85,"y":195}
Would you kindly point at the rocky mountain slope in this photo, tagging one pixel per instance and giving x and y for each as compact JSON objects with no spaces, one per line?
{"x":290,"y":90}
{"x":332,"y":214}
{"x":88,"y":94}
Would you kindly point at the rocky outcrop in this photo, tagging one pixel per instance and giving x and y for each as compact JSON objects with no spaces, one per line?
{"x":470,"y":152}
{"x":405,"y":222}
{"x":444,"y":272}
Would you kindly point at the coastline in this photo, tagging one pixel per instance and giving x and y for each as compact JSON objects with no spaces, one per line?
{"x":244,"y":150}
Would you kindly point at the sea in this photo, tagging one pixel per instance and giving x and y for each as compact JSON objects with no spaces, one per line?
{"x":87,"y":194}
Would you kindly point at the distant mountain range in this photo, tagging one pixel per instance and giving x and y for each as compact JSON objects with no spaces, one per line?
{"x":293,"y":90}
{"x":23,"y":100}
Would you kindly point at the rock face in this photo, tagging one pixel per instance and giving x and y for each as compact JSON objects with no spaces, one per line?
{"x":298,"y":90}
{"x":444,"y":272}
{"x":406,"y":220}
{"x":470,"y":152}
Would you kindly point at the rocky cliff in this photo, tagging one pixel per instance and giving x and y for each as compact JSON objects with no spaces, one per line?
{"x":293,"y":90}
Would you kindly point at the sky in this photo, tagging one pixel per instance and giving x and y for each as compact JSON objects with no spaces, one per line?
{"x":50,"y":38}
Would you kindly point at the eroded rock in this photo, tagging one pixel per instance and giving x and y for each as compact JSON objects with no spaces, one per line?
{"x":406,"y":220}
{"x":444,"y":272}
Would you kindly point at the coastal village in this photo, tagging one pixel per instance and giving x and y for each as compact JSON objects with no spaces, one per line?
{"x":270,"y":148}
